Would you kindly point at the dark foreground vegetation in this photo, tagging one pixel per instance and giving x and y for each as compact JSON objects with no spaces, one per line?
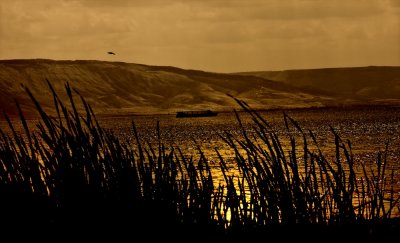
{"x":73,"y":179}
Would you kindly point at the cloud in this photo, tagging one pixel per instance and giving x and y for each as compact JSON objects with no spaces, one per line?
{"x":286,"y":10}
{"x":395,"y":3}
{"x":124,"y":3}
{"x":215,"y":35}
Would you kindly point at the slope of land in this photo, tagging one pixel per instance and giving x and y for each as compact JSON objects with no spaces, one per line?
{"x":125,"y":88}
{"x":376,"y":84}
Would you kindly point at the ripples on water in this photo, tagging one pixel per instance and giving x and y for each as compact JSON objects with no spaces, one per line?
{"x":368,"y":129}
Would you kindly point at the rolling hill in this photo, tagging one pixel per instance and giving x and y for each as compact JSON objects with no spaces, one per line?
{"x":125,"y":88}
{"x":375,"y":84}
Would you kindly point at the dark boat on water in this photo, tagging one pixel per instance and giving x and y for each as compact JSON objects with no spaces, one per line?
{"x":202,"y":113}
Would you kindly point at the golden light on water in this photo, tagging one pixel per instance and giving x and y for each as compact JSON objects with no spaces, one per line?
{"x":205,"y":134}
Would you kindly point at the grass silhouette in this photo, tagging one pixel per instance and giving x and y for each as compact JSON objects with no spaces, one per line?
{"x":73,"y":178}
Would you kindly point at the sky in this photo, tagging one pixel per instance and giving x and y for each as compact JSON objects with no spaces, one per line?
{"x":210,"y":35}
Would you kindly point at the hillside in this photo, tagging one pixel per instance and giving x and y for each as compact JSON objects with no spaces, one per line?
{"x":372,"y":84}
{"x":125,"y":88}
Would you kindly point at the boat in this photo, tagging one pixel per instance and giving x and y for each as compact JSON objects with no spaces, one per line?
{"x":200,"y":113}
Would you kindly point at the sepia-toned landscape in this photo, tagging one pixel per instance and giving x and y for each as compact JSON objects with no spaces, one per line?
{"x":212,"y":121}
{"x":336,"y":156}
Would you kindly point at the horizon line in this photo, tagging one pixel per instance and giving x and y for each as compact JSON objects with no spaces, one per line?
{"x":191,"y":69}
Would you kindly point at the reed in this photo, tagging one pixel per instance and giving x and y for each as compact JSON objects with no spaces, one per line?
{"x":72,"y":176}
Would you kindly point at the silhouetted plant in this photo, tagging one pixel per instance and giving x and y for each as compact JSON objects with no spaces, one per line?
{"x":73,"y":175}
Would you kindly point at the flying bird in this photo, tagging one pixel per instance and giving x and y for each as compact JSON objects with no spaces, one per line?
{"x":111,"y":53}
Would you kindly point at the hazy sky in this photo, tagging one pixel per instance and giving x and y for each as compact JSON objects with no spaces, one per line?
{"x":212,"y":35}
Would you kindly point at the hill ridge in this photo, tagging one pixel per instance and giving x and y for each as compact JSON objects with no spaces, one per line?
{"x":129,"y":88}
{"x":371,"y":83}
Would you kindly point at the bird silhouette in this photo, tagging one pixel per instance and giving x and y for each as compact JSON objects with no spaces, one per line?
{"x":111,"y":53}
